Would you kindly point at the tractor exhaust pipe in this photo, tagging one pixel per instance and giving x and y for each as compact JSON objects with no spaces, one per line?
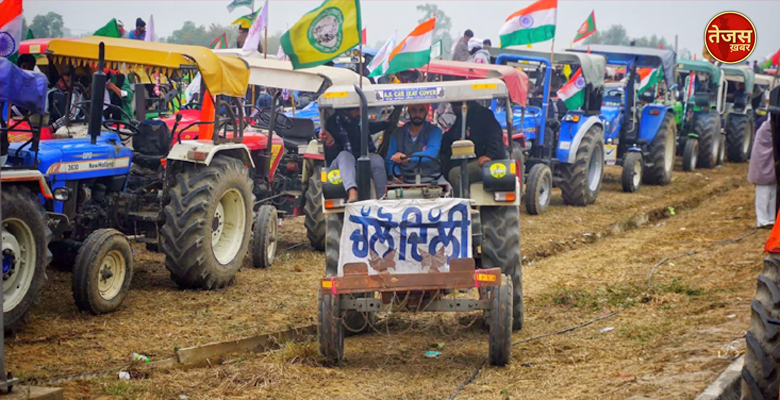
{"x":99,"y":79}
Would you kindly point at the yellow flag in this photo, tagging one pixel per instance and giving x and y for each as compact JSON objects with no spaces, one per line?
{"x":567,"y":71}
{"x":323,"y":34}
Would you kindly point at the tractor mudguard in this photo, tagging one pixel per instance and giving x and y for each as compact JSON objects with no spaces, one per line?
{"x":611,"y":116}
{"x":571,"y":135}
{"x":634,"y":150}
{"x":480,"y":197}
{"x":203,"y":151}
{"x":652,"y":117}
{"x":313,"y":151}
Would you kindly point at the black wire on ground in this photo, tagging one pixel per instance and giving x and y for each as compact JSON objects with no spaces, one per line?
{"x":690,"y":253}
{"x":485,"y":360}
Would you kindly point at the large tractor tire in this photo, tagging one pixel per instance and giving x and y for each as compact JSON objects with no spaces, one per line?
{"x":208,"y":223}
{"x":538,"y":192}
{"x":739,"y":137}
{"x":662,"y":150}
{"x":102,"y":272}
{"x":25,"y":253}
{"x":501,"y":249}
{"x":582,"y":180}
{"x":354,"y":321}
{"x":707,"y":128}
{"x":314,"y":218}
{"x":760,"y":374}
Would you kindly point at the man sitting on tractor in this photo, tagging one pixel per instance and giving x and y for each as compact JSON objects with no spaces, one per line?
{"x":341,"y":138}
{"x":482,"y":129}
{"x":418,"y":137}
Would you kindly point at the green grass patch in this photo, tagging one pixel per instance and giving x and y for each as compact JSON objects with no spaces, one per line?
{"x":621,"y":295}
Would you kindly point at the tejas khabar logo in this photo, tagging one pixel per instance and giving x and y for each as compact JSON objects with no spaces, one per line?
{"x":730,"y":37}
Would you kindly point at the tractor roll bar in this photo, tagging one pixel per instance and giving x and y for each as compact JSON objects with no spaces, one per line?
{"x":98,"y":88}
{"x":364,"y":162}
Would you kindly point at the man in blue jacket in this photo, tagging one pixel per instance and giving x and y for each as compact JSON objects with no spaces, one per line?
{"x":418,"y":137}
{"x":341,"y":140}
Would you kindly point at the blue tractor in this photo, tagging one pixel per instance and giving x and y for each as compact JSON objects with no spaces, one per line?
{"x":192,"y":199}
{"x":565,"y":150}
{"x":640,"y":129}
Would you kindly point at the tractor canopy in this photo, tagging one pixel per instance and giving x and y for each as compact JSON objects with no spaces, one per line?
{"x":740,"y":74}
{"x":765,"y":80}
{"x":25,"y":89}
{"x":222,"y":74}
{"x":699,"y":66}
{"x":414,"y":93}
{"x":515,"y":81}
{"x":36,"y":46}
{"x":644,"y":57}
{"x":593,"y":65}
{"x":281,"y":75}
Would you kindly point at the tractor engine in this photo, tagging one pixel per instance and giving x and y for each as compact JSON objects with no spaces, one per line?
{"x":97,"y":210}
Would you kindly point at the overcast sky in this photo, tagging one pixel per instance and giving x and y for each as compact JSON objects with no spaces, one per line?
{"x":641,"y":18}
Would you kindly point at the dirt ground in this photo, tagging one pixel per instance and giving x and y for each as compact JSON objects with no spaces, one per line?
{"x":580,"y":263}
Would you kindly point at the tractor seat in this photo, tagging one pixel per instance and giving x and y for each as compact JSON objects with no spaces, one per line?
{"x":740,"y":103}
{"x":151,"y":143}
{"x":701,"y":99}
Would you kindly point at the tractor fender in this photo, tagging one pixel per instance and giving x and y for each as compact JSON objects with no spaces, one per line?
{"x":652,"y":117}
{"x":314,"y":151}
{"x":33,"y":179}
{"x":634,"y":150}
{"x":481,"y":198}
{"x":571,"y":136}
{"x":203,"y":151}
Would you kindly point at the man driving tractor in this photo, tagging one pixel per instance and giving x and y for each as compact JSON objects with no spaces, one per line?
{"x":418,"y":137}
{"x":341,"y":138}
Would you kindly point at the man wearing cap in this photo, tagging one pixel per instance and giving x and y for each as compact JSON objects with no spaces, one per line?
{"x":140,"y":30}
{"x":460,"y":51}
{"x":417,"y":138}
{"x":122,"y":32}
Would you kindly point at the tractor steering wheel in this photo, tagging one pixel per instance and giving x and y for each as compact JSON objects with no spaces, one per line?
{"x":131,"y":125}
{"x":412,"y":176}
{"x":614,"y":93}
{"x":283,"y":122}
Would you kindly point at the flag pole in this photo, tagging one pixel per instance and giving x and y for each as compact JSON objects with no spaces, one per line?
{"x":360,"y":61}
{"x":265,"y":45}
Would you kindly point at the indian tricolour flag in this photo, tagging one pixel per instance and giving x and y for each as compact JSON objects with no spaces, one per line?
{"x":414,"y":51}
{"x":10,"y":27}
{"x":535,"y":23}
{"x":573,"y":92}
{"x":649,"y":76}
{"x":383,"y":55}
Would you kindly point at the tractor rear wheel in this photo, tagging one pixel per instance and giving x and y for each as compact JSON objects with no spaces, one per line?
{"x":102,"y":272}
{"x":500,"y":344}
{"x":501,"y":249}
{"x":314,"y":218}
{"x":760,"y":373}
{"x":632,"y":172}
{"x":739,"y":137}
{"x":265,"y":237}
{"x":207,"y":223}
{"x":662,"y":150}
{"x":25,"y":253}
{"x":690,"y":154}
{"x":707,"y":128}
{"x":538,"y":192}
{"x":582,"y":179}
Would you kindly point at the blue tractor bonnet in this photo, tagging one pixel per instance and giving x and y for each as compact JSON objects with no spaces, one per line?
{"x":25,"y":89}
{"x":645,"y":57}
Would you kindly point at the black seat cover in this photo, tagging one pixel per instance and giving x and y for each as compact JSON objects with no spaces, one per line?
{"x":151,"y":143}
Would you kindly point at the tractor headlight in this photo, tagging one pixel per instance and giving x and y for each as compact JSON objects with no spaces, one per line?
{"x":62,"y":194}
{"x":572,"y":118}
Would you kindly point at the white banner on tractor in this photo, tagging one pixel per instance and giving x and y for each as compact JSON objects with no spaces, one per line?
{"x":405,"y":236}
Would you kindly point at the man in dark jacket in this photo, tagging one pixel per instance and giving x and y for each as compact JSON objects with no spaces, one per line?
{"x":341,"y":139}
{"x":487,"y":135}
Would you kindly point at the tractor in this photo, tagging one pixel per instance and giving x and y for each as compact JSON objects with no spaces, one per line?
{"x":568,"y":153}
{"x":25,"y":235}
{"x":639,"y":127}
{"x":697,"y":112}
{"x":193,"y":199}
{"x":412,"y":248}
{"x":739,"y":117}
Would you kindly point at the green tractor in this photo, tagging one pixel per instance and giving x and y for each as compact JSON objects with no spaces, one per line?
{"x":739,"y":112}
{"x":697,"y":113}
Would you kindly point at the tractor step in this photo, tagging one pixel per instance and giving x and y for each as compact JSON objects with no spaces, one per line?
{"x":149,"y":216}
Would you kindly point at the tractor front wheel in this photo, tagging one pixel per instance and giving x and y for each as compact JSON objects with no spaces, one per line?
{"x":707,"y":128}
{"x":265,"y":237}
{"x":25,"y":252}
{"x":330,"y":330}
{"x":501,"y":249}
{"x":662,"y":150}
{"x":632,"y":172}
{"x":690,"y":154}
{"x":538,"y":191}
{"x":500,"y":345}
{"x":739,"y":137}
{"x":102,"y":272}
{"x":208,"y":223}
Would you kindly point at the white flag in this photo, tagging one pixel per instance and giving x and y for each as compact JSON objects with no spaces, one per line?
{"x":383,"y":55}
{"x":236,"y":3}
{"x":255,"y":32}
{"x":150,"y":30}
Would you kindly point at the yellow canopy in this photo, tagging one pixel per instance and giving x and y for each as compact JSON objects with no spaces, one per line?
{"x":222,"y":74}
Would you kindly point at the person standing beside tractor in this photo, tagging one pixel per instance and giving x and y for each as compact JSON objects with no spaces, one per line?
{"x":482,"y":129}
{"x":417,"y":138}
{"x":341,"y":138}
{"x":761,"y":172}
{"x":140,"y":30}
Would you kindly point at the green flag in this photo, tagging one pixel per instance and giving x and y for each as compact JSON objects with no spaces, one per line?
{"x":323,"y":34}
{"x":111,"y":29}
{"x":30,"y":34}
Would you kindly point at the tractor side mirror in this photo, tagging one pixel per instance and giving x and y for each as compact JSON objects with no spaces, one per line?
{"x":178,"y":117}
